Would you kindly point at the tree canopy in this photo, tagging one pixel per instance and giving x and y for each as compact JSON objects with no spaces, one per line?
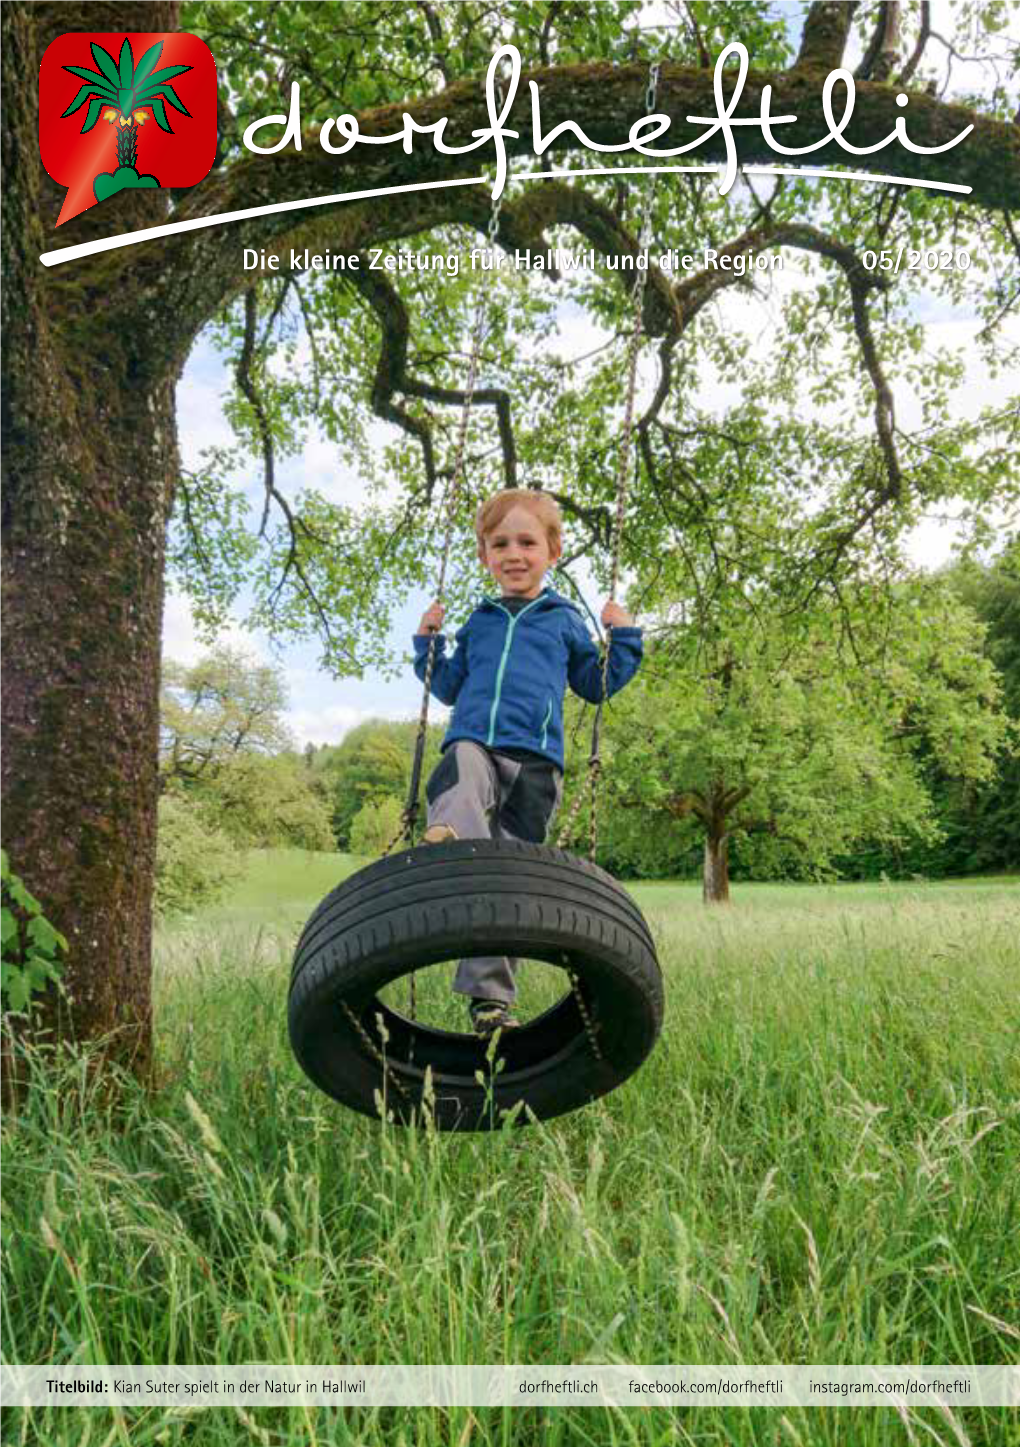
{"x":223,"y":705}
{"x":811,"y":466}
{"x":764,"y":733}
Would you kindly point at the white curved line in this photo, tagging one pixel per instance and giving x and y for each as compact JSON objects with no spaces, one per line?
{"x":151,"y":233}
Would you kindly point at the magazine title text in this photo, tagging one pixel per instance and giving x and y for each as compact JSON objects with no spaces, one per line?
{"x":501,"y":92}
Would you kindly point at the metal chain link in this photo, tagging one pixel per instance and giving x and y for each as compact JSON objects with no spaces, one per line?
{"x":586,"y":1020}
{"x":654,"y":71}
{"x":374,"y":1050}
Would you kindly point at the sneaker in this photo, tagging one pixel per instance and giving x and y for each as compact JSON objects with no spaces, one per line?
{"x":438,"y":834}
{"x":488,"y":1016}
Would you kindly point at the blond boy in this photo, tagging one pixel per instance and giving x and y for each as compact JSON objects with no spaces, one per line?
{"x":501,"y":772}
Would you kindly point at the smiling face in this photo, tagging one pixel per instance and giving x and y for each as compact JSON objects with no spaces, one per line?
{"x":518,"y":554}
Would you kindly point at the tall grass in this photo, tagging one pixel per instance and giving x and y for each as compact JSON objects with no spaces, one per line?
{"x":817,"y":1164}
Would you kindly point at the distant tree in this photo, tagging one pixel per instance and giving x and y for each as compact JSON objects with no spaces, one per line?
{"x":265,"y":803}
{"x":978,"y":819}
{"x":375,"y":826}
{"x":371,"y":764}
{"x":768,"y":732}
{"x":224,"y":751}
{"x":981,"y":819}
{"x":225,"y":704}
{"x":195,"y":861}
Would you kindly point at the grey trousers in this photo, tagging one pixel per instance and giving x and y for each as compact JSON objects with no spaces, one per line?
{"x":482,"y":794}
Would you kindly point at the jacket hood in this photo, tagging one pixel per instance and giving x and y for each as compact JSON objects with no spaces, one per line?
{"x":546,"y":600}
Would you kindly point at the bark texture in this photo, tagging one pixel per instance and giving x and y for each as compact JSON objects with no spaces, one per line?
{"x":89,"y":462}
{"x":715,"y":880}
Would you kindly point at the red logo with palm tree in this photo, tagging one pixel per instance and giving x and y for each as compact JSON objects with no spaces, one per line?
{"x":96,"y":94}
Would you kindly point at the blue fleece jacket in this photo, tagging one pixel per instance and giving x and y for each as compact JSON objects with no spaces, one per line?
{"x":508,"y":674}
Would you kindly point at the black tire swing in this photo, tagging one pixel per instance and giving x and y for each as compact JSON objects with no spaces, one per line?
{"x":473,"y":896}
{"x":436,"y":902}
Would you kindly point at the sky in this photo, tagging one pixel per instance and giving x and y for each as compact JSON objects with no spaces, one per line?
{"x":323,"y":709}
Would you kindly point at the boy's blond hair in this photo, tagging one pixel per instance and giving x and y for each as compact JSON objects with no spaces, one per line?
{"x":540,"y":504}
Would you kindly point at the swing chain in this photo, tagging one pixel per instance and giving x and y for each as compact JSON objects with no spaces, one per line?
{"x":622,"y":479}
{"x":623,"y":468}
{"x":637,"y":331}
{"x":410,"y":813}
{"x":374,"y":1050}
{"x":497,"y":201}
{"x":452,"y":495}
{"x":586,"y":1020}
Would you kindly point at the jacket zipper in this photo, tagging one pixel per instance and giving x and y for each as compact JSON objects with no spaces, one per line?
{"x":545,"y":723}
{"x":514,"y":620}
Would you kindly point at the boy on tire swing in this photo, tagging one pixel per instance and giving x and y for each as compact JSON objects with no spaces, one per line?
{"x":501,"y":771}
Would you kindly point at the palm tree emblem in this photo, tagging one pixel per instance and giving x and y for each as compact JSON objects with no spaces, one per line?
{"x":122,"y":93}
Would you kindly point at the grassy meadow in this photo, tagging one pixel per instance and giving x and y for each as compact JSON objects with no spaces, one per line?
{"x":818,"y":1163}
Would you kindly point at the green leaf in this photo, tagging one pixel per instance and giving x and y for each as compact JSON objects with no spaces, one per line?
{"x":105,"y":63}
{"x":43,"y":935}
{"x":17,"y":988}
{"x":92,"y":114}
{"x":5,"y":865}
{"x":8,"y":928}
{"x":159,"y":111}
{"x":79,"y":100}
{"x":40,"y":972}
{"x":147,"y":61}
{"x":94,"y":79}
{"x":21,"y":896}
{"x":160,"y":77}
{"x":171,"y":95}
{"x":127,"y":63}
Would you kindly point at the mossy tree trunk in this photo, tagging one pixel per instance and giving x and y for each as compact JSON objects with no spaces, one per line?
{"x":82,"y":619}
{"x":89,"y":462}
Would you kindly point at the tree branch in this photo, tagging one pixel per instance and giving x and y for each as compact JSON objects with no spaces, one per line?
{"x":547,"y":25}
{"x":436,"y":32}
{"x":392,"y":376}
{"x":190,"y":276}
{"x":247,"y":386}
{"x":888,"y":50}
{"x":607,"y":97}
{"x":906,"y":74}
{"x":825,"y":35}
{"x":293,"y":560}
{"x":691,"y":801}
{"x":704,"y":59}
